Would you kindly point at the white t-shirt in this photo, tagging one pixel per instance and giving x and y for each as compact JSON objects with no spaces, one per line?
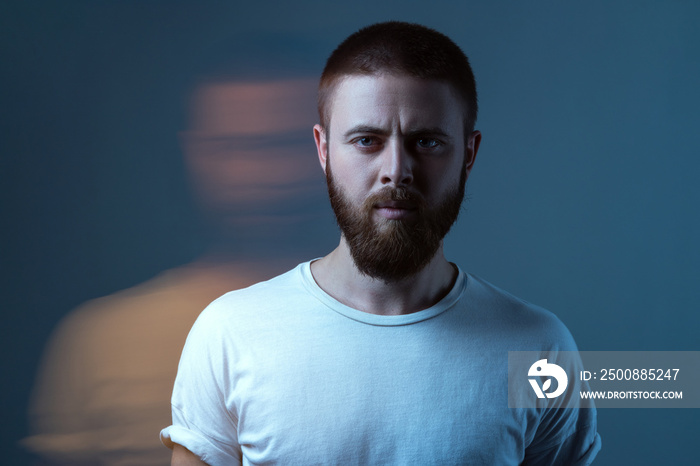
{"x":282,"y":373}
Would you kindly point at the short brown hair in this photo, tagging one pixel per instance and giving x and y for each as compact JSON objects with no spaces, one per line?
{"x":404,"y":49}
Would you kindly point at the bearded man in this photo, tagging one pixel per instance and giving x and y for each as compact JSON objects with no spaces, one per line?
{"x":381,"y":352}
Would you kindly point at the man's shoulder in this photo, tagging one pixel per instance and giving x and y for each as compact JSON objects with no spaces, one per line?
{"x":287,"y":282}
{"x":255,"y":301}
{"x":527,"y":324}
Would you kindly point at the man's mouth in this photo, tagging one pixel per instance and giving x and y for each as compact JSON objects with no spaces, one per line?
{"x":395,"y":210}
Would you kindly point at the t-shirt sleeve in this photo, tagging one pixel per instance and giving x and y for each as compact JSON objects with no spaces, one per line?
{"x":577,"y":449}
{"x":567,"y":430}
{"x":203,"y":419}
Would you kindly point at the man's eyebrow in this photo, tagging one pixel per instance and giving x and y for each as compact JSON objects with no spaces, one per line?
{"x":366,"y":129}
{"x":435,"y":131}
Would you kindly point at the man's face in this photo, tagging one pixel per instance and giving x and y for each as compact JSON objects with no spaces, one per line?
{"x":399,"y":163}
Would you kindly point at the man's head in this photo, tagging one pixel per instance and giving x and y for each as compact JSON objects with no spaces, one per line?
{"x":401,"y":145}
{"x":403,"y":49}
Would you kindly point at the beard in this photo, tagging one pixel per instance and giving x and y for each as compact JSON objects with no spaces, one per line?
{"x":393,"y":249}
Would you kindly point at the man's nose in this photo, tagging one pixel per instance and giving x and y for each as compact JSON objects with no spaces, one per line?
{"x":397,"y":165}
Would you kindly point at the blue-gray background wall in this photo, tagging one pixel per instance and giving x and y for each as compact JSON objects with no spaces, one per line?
{"x":583,"y":199}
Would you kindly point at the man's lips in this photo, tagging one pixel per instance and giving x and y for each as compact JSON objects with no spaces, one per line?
{"x":395,"y":210}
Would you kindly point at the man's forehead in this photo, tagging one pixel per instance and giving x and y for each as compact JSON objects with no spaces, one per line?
{"x":386,"y":99}
{"x":367,"y":80}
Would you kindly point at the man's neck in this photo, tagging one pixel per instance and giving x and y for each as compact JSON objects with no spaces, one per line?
{"x":338,"y":276}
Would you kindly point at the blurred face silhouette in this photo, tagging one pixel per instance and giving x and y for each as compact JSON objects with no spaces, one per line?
{"x":396,"y":164}
{"x":247,"y":150}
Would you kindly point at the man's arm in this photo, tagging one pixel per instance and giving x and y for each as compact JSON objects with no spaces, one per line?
{"x":183,"y":457}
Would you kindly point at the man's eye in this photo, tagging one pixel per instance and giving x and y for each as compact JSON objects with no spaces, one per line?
{"x":365,"y":141}
{"x":427,"y":143}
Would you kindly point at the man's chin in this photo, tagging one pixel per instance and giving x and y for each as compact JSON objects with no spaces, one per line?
{"x":388,"y":228}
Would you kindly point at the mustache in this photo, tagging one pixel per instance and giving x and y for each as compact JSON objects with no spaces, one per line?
{"x":396,"y":194}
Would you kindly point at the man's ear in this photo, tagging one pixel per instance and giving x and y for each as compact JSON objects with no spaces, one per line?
{"x":321,"y":145}
{"x":470,"y":150}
